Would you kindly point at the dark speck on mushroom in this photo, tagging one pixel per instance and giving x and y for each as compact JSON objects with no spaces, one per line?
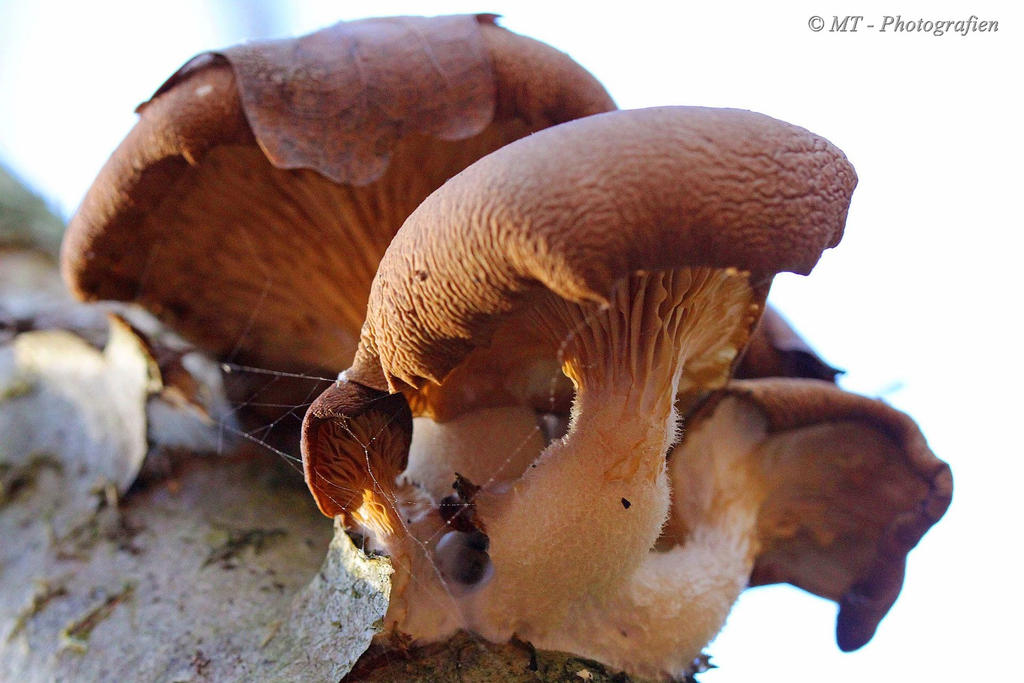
{"x":626,"y":503}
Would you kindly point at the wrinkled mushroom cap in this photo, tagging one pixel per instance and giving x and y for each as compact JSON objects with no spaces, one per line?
{"x":250,"y":204}
{"x":849,"y":484}
{"x":575,"y":209}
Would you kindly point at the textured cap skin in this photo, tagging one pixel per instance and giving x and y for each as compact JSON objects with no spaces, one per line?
{"x":864,"y":599}
{"x":337,"y":100}
{"x":577,"y":207}
{"x":250,"y":270}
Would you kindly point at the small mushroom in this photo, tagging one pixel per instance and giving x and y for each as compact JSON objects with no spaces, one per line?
{"x":776,"y":350}
{"x":249,"y":206}
{"x":825,"y":490}
{"x":633,"y":250}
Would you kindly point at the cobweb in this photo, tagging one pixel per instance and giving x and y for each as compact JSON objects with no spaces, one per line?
{"x":274,"y":426}
{"x":279,"y":435}
{"x":259,"y":418}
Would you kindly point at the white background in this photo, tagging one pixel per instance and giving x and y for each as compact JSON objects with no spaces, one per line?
{"x":920,"y":303}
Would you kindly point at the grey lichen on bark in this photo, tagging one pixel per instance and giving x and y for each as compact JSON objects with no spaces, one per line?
{"x":334,"y":617}
{"x":132,"y":588}
{"x":210,"y":569}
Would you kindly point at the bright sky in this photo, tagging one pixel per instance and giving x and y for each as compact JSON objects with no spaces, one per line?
{"x":918,"y":303}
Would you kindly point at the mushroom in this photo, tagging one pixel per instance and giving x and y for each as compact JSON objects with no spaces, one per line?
{"x":779,"y":480}
{"x":776,"y":350}
{"x":828,"y":490}
{"x":633,"y":250}
{"x":249,"y":206}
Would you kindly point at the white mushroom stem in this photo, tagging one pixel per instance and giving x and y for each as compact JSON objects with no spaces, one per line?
{"x":677,"y":601}
{"x":606,"y":478}
{"x":422,"y":602}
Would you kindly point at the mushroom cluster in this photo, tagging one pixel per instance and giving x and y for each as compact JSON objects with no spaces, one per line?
{"x":540,"y":423}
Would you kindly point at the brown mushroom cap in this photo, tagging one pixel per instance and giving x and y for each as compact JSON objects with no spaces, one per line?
{"x":344,"y":424}
{"x":250,"y":204}
{"x":575,"y":209}
{"x":776,"y":350}
{"x":850,"y":487}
